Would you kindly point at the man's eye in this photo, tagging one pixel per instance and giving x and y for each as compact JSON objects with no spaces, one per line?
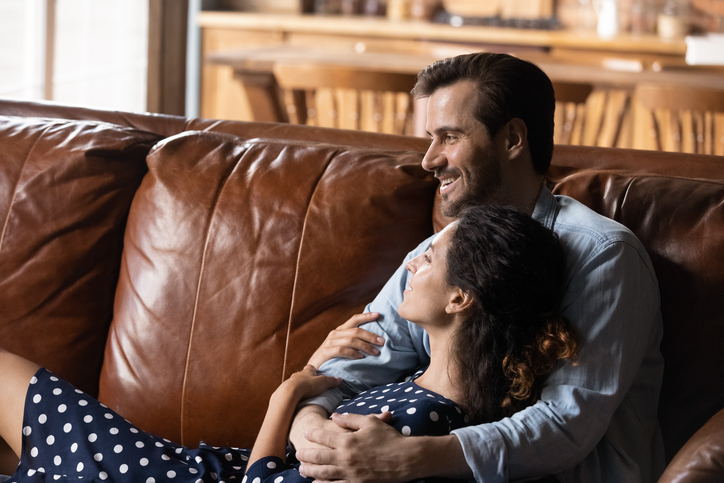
{"x":426,"y":257}
{"x":450,"y":138}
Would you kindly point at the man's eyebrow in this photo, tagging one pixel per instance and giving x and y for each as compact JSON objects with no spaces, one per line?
{"x":445,"y":129}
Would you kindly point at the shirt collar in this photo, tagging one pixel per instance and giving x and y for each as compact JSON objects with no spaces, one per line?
{"x":546,"y":208}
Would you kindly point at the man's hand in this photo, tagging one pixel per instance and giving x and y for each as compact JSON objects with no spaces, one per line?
{"x":348,"y":456}
{"x":349,"y":341}
{"x":376,"y":452}
{"x":309,"y":418}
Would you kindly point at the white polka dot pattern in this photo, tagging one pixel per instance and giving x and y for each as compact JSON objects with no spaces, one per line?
{"x":70,"y":435}
{"x":412,"y":414}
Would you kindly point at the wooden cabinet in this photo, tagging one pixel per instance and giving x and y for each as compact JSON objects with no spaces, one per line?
{"x":613,"y":66}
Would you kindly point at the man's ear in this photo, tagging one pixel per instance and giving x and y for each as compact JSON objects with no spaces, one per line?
{"x":459,"y":301}
{"x":516,"y":137}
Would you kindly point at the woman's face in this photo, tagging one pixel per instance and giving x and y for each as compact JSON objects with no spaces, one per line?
{"x":428,"y":292}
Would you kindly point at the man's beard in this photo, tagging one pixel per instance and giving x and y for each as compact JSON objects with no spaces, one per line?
{"x":483,"y":185}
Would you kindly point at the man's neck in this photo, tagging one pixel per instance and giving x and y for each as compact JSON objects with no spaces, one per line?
{"x":523,"y":194}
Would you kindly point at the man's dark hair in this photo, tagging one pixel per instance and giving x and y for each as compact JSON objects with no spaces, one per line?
{"x":508,"y":87}
{"x":511,"y":336}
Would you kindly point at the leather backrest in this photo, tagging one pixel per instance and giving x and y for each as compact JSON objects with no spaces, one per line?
{"x":239,"y":258}
{"x":65,"y":191}
{"x":167,"y":125}
{"x":680,"y":221}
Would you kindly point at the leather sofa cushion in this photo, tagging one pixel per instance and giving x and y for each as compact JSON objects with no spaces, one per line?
{"x":65,"y":191}
{"x":239,"y":257}
{"x":701,"y":460}
{"x":680,"y":221}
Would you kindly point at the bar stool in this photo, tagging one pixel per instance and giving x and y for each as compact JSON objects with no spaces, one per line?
{"x":346,"y":97}
{"x":570,"y":113}
{"x":693,"y":125}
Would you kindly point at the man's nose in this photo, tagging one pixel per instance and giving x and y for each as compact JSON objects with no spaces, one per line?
{"x":433,"y":158}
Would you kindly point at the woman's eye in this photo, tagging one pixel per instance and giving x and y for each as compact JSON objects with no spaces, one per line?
{"x":426,"y":257}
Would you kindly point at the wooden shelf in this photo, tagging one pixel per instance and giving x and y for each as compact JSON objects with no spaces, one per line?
{"x":372,"y":27}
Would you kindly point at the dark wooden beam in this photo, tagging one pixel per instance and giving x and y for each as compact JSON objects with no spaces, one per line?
{"x":167,"y":24}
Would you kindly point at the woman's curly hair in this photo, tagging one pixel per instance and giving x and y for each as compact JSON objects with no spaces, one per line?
{"x":512,"y":336}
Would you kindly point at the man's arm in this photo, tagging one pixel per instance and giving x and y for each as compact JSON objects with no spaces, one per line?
{"x":615,"y":308}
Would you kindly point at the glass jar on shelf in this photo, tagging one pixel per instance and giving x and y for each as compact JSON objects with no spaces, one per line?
{"x":672,"y":21}
{"x":327,"y":7}
{"x":642,"y":17}
{"x":586,"y":16}
{"x":375,"y":7}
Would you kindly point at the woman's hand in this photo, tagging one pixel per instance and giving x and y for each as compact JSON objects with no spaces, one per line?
{"x":349,"y":341}
{"x":272,"y":437}
{"x":307,"y":383}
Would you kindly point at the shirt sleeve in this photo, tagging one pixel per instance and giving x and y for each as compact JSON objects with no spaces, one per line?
{"x":406,"y":345}
{"x":613,"y":303}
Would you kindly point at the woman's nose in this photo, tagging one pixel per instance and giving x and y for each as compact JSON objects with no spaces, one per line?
{"x":413,"y":264}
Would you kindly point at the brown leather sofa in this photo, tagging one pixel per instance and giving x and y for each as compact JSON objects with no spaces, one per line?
{"x":180,"y":269}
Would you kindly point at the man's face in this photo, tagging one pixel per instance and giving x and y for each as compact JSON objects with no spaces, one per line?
{"x":461,"y":152}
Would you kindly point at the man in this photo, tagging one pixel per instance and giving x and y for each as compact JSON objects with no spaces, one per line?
{"x":490,"y":118}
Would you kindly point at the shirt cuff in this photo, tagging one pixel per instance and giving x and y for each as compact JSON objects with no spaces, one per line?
{"x":485,"y":452}
{"x":328,"y":400}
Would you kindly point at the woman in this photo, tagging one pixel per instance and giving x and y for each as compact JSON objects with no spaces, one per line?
{"x":486,"y":292}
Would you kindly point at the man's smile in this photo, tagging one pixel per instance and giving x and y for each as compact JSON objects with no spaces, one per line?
{"x":448,"y":182}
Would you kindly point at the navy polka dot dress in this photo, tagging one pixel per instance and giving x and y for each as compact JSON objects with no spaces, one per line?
{"x":68,"y":435}
{"x":415,"y":412}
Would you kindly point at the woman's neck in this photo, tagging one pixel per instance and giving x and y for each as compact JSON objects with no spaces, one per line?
{"x":442,"y":375}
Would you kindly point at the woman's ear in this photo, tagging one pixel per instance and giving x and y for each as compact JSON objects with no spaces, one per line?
{"x":459,"y":301}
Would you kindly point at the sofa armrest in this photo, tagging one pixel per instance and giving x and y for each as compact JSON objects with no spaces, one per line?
{"x":701,"y":459}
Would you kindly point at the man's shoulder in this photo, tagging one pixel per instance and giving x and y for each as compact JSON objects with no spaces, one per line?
{"x":586,"y":233}
{"x":576,"y":219}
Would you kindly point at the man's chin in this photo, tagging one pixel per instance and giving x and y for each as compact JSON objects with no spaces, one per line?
{"x":450,"y":209}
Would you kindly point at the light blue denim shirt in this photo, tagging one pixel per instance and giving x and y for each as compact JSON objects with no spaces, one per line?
{"x":596,"y":421}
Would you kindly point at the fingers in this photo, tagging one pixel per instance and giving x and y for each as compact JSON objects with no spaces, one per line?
{"x":349,"y":341}
{"x":359,"y":319}
{"x":327,"y":439}
{"x":355,"y":422}
{"x":354,"y":340}
{"x":386,"y":416}
{"x":322,"y":473}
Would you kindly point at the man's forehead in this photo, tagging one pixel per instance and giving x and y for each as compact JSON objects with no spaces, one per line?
{"x":452,"y":108}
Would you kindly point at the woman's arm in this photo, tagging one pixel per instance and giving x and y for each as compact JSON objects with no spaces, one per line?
{"x":272,"y":438}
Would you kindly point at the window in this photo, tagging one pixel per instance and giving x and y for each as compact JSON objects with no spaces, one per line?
{"x":80,"y":52}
